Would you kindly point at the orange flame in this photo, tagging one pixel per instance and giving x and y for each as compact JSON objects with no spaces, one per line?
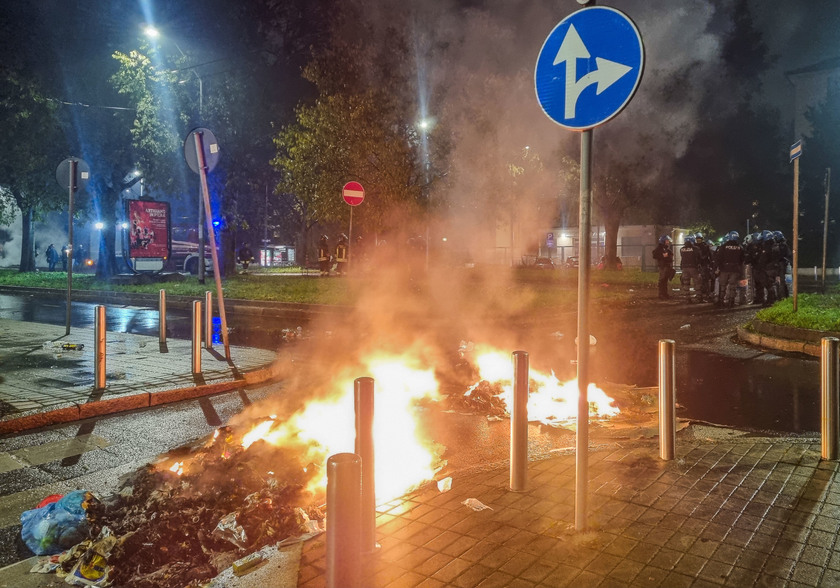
{"x":177,"y":467}
{"x":549,"y":400}
{"x":403,"y":459}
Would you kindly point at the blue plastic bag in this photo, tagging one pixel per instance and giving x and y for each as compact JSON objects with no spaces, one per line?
{"x":57,"y":526}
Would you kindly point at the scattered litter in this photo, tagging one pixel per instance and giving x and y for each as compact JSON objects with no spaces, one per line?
{"x":684,"y":327}
{"x":230,"y":530}
{"x":58,"y":525}
{"x":557,"y":335}
{"x":592,"y":340}
{"x":475,"y":504}
{"x":92,"y":568}
{"x":69,"y":346}
{"x":445,"y":485}
{"x":247,"y":563}
{"x":630,"y":290}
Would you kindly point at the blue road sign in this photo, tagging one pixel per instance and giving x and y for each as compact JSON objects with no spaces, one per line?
{"x":589,"y":67}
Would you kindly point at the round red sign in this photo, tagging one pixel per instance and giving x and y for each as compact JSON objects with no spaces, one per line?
{"x":353,"y":193}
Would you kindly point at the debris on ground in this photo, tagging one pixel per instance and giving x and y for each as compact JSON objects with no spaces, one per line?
{"x":194,"y":513}
{"x":475,"y":504}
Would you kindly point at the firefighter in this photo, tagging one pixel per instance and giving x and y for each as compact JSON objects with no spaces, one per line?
{"x":324,"y":256}
{"x":341,"y":254}
{"x":664,"y":256}
{"x":730,"y":262}
{"x":245,"y":257}
{"x":690,"y":264}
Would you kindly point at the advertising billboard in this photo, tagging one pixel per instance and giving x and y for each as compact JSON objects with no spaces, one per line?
{"x":148,"y":228}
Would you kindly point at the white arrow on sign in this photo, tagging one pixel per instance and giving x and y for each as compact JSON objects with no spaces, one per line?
{"x":605,"y":75}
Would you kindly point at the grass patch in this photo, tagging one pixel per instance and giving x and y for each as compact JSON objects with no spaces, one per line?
{"x":545,"y":289}
{"x":819,"y":312}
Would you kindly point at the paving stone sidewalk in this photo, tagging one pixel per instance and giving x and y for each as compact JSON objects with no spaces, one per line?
{"x":732,"y":509}
{"x":43,"y":383}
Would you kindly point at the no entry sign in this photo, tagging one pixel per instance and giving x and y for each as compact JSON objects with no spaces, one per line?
{"x":353,"y":193}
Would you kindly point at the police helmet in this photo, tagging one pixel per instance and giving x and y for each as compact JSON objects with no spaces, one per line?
{"x":733,"y":236}
{"x":699,"y":237}
{"x":748,"y":239}
{"x":778,"y":236}
{"x":690,"y":239}
{"x":664,"y":239}
{"x":766,"y":236}
{"x":342,"y":236}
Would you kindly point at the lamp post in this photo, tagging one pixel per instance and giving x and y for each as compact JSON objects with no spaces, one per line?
{"x":425,"y":126}
{"x":153,"y":33}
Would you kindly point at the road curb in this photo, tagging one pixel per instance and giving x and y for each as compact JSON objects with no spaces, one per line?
{"x":778,"y":344}
{"x":76,"y":412}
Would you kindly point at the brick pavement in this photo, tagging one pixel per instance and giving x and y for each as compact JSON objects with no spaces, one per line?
{"x":731,"y":510}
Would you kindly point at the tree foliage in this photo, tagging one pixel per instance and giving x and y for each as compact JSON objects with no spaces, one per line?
{"x":360,"y":127}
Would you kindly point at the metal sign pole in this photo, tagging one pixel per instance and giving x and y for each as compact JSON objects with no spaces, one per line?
{"x":582,"y":434}
{"x":208,"y":216}
{"x":71,"y":190}
{"x":825,"y":224}
{"x":795,"y":240}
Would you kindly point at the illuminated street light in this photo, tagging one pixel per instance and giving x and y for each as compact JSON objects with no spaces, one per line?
{"x":99,"y":225}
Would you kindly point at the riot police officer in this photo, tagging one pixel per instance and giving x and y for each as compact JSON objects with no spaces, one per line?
{"x":690,"y":264}
{"x":664,"y":256}
{"x":730,"y":262}
{"x":704,"y":252}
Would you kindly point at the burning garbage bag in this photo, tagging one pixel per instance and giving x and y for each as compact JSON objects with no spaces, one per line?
{"x":58,"y":525}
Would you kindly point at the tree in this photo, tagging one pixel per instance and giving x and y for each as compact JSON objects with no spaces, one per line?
{"x":822,"y":151}
{"x":31,"y":150}
{"x":356,"y":129}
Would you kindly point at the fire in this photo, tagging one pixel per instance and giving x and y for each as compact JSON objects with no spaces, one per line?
{"x":404,"y":459}
{"x":177,"y":467}
{"x":549,"y":400}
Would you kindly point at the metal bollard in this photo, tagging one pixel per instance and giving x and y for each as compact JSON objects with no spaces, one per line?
{"x":363,"y":403}
{"x":519,"y":423}
{"x":344,"y":497}
{"x":208,"y":320}
{"x":196,"y":337}
{"x":667,"y":400}
{"x":830,"y":386}
{"x":99,"y":351}
{"x":162,"y":317}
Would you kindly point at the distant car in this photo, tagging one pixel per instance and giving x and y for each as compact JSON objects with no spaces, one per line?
{"x":544,"y":263}
{"x":572,"y":262}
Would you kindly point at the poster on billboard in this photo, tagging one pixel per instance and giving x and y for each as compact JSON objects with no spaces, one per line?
{"x":148,"y":227}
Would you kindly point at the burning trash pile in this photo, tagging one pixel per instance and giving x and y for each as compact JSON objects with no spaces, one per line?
{"x":180,"y":523}
{"x":550,"y":402}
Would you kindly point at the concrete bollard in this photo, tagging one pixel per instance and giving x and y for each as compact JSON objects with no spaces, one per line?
{"x":99,"y":351}
{"x":830,"y":387}
{"x":196,"y":337}
{"x":363,"y":402}
{"x":519,"y":423}
{"x":344,"y":497}
{"x":208,"y":320}
{"x":667,"y":400}
{"x":162,"y":317}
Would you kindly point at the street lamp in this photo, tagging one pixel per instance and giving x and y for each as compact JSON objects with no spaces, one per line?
{"x":153,"y":33}
{"x":425,"y":124}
